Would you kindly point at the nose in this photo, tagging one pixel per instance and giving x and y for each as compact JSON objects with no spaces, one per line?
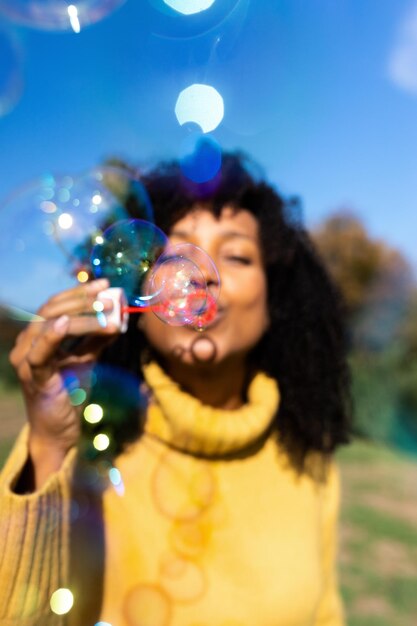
{"x":205,"y":263}
{"x":210,"y":273}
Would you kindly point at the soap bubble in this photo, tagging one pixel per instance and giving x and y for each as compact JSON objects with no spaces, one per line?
{"x":200,"y":157}
{"x":179,"y":285}
{"x":33,"y":266}
{"x":125,"y":253}
{"x":189,"y":7}
{"x":189,"y":18}
{"x":187,"y":285}
{"x":58,"y":15}
{"x":49,"y":227}
{"x":201,"y":259}
{"x":11,"y":78}
{"x":92,"y":203}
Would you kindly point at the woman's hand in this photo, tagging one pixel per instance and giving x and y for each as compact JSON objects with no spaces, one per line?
{"x":39,"y":360}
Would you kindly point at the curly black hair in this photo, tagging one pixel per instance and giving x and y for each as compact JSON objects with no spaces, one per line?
{"x":305,"y":347}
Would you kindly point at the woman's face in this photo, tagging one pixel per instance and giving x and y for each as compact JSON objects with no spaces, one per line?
{"x":232,"y":241}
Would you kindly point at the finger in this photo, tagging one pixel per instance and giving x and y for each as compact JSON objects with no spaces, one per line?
{"x":96,"y":324}
{"x":78,"y":298}
{"x":40,"y":356}
{"x":76,"y":301}
{"x":24,"y":342}
{"x":91,"y":343}
{"x":89,"y":304}
{"x":85,"y":352}
{"x":46,"y":348}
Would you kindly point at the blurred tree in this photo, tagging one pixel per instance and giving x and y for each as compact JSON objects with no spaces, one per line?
{"x":375,"y":279}
{"x":381,"y":300}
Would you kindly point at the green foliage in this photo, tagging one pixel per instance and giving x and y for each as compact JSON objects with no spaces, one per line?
{"x":8,"y":377}
{"x":381,"y":301}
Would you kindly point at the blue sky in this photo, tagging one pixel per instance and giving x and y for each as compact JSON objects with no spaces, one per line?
{"x":323,"y":93}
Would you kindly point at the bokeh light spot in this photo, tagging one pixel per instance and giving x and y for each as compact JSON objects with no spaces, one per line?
{"x":93,"y":413}
{"x":101,"y":442}
{"x":98,"y":306}
{"x":77,"y":396}
{"x":82,"y":276}
{"x":201,"y":104}
{"x":117,"y":481}
{"x":115,"y":476}
{"x":61,"y":601}
{"x":73,"y":16}
{"x":189,"y":7}
{"x":48,"y":207}
{"x":65,"y":221}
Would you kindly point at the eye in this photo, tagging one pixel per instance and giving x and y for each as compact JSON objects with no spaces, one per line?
{"x":238,"y":259}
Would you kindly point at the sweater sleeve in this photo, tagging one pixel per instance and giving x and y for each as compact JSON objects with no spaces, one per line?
{"x":34,"y":542}
{"x":330,"y":609}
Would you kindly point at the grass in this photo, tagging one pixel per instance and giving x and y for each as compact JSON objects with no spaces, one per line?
{"x":378,"y":551}
{"x":5,"y":446}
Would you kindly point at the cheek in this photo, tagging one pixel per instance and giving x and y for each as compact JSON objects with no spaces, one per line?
{"x":250,"y":294}
{"x":258,"y":313}
{"x":251,"y":305}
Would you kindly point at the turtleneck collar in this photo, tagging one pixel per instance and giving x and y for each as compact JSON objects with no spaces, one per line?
{"x":185,"y":423}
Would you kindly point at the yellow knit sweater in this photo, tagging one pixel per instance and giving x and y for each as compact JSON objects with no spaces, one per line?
{"x":205,"y":524}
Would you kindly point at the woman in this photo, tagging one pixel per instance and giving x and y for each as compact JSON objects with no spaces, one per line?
{"x":222,"y":501}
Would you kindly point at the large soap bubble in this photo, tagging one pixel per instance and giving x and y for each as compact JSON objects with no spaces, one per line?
{"x":179,"y":292}
{"x":58,"y":15}
{"x":11,"y":76}
{"x":179,"y":283}
{"x":91,"y":205}
{"x":185,"y":285}
{"x":31,"y":264}
{"x":125,"y":253}
{"x":49,"y":227}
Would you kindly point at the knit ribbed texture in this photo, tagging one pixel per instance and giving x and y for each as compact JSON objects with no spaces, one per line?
{"x":185,"y":423}
{"x":34,"y":547}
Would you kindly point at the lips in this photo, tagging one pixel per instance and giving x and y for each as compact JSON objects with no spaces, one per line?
{"x":220,"y":314}
{"x":210,"y":321}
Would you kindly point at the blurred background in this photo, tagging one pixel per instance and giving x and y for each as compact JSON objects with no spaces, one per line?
{"x":323,"y":94}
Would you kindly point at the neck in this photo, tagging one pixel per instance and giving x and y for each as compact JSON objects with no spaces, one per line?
{"x":221,"y":385}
